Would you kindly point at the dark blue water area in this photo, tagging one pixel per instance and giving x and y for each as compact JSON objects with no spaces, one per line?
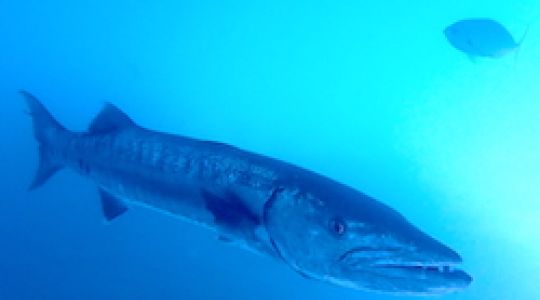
{"x":370,"y":94}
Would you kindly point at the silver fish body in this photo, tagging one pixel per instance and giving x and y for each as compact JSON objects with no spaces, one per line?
{"x":319,"y":227}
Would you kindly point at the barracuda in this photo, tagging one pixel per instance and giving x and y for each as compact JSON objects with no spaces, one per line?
{"x":322,"y":229}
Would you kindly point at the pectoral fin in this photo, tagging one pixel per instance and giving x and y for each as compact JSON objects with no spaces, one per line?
{"x":230,"y":212}
{"x":112,"y":206}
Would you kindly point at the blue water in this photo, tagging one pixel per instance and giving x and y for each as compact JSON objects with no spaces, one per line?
{"x":367,"y":92}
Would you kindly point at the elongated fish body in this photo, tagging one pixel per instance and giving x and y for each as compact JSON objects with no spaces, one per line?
{"x":319,"y":227}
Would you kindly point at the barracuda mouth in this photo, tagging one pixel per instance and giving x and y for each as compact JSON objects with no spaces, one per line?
{"x":433,"y":277}
{"x":383,"y":262}
{"x":429,"y":268}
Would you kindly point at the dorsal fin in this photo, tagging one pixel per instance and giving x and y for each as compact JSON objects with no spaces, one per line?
{"x":110,"y":118}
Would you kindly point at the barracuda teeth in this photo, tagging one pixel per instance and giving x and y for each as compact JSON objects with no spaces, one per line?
{"x":439,"y":268}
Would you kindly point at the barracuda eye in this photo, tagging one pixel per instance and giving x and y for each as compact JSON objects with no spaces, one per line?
{"x":337,"y":226}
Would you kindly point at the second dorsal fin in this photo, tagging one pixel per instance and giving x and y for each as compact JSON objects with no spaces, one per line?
{"x":110,"y":118}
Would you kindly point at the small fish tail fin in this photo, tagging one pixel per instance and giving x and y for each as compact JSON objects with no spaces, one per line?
{"x":47,"y":132}
{"x":519,"y":43}
{"x":524,"y":35}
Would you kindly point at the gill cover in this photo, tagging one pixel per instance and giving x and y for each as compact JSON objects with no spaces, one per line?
{"x":296,"y":224}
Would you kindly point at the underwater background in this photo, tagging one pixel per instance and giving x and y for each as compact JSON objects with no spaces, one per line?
{"x":369,"y":93}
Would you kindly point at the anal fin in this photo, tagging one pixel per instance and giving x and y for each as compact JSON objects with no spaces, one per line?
{"x":112,"y":206}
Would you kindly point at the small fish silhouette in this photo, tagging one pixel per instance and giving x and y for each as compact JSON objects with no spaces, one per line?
{"x":481,"y":38}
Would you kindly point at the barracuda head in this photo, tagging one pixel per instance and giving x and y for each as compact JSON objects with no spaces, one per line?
{"x":339,"y":235}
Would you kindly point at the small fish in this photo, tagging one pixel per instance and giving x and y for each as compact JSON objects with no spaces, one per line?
{"x":481,"y":37}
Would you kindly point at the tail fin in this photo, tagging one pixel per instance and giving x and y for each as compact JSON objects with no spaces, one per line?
{"x":46,"y":131}
{"x":520,"y":42}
